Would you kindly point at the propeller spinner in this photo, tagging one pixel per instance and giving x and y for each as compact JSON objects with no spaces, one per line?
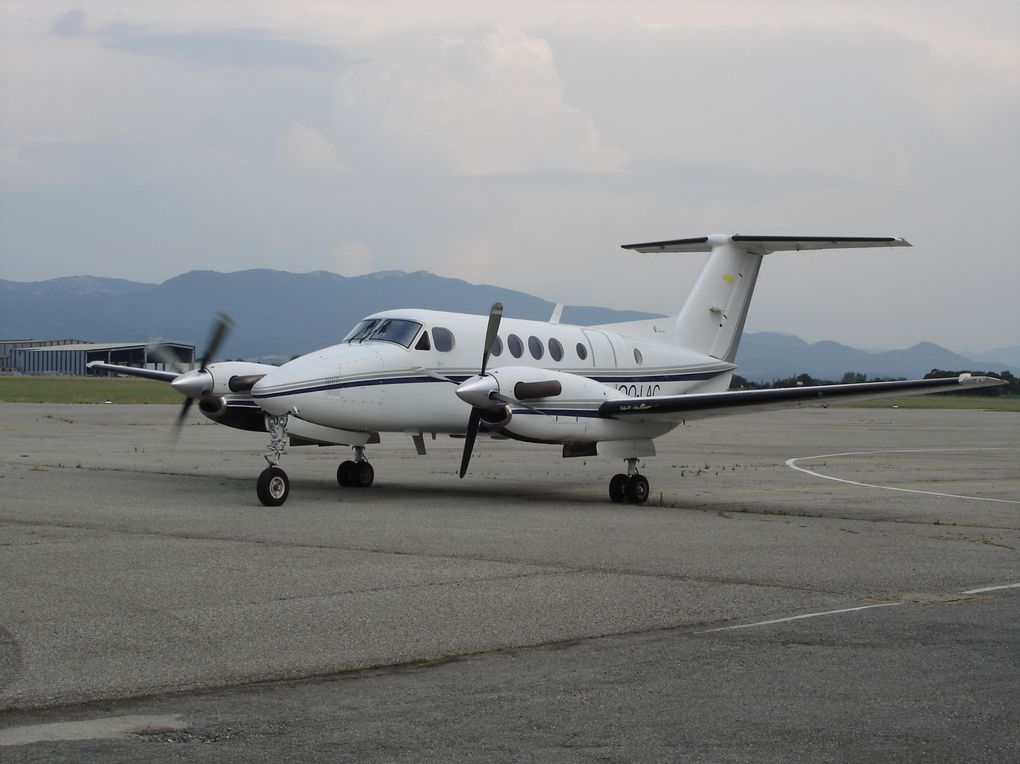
{"x":197,"y":383}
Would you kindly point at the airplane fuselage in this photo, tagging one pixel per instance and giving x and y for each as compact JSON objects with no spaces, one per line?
{"x":397,"y":385}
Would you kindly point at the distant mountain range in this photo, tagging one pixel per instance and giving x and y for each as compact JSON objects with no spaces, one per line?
{"x":278,"y":315}
{"x":767,"y":356}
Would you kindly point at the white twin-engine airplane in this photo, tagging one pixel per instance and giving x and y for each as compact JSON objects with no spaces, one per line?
{"x":595,"y":390}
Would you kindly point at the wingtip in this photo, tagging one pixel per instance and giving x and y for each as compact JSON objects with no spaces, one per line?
{"x":979,"y":381}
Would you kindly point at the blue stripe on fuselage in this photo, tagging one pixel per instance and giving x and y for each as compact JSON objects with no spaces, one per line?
{"x":318,"y":388}
{"x":615,"y":379}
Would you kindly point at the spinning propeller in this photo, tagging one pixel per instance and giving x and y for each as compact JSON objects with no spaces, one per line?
{"x":481,"y":390}
{"x":198,"y":383}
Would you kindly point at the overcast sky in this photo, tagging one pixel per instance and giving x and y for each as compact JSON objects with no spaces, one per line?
{"x":521,"y":143}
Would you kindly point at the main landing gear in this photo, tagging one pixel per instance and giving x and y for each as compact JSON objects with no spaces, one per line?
{"x":631,"y":488}
{"x":273,"y":485}
{"x":355,"y":474}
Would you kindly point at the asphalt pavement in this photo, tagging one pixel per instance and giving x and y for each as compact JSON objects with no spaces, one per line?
{"x":824,"y":584}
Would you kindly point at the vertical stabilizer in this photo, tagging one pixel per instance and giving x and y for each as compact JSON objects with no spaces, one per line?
{"x":712,"y":318}
{"x":711,"y":321}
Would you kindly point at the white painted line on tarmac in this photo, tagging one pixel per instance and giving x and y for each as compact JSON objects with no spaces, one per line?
{"x":992,"y":589}
{"x":847,"y":610}
{"x":107,"y":728}
{"x":801,"y":617}
{"x":792,"y":464}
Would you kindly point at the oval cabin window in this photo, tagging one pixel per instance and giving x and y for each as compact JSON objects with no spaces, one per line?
{"x":536,"y":347}
{"x":556,"y":349}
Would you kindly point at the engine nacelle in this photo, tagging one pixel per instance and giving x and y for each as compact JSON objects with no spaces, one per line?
{"x":539,"y":386}
{"x":241,"y":414}
{"x":219,"y":379}
{"x":494,"y":420}
{"x":556,"y":407}
{"x":222,"y":391}
{"x":226,"y":377}
{"x":553,"y":404}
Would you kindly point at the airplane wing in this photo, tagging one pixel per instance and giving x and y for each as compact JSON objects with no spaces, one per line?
{"x":134,"y":371}
{"x":704,"y":405}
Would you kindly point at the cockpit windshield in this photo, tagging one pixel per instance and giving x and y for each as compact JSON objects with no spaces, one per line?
{"x":360,"y":332}
{"x":398,"y":330}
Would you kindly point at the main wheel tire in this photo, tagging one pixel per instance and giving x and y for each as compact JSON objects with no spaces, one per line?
{"x":273,"y":486}
{"x":637,"y":489}
{"x":346,"y":474}
{"x":365,"y":474}
{"x":618,"y":488}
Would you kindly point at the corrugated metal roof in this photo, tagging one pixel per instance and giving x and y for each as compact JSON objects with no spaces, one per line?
{"x":90,"y":346}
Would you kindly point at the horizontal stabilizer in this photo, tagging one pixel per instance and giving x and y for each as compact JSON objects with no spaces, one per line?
{"x":764,"y":244}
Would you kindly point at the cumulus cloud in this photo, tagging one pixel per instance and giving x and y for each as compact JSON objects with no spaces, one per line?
{"x":484,"y":105}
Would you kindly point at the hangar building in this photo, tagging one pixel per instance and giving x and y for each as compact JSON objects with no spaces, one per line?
{"x":70,"y":357}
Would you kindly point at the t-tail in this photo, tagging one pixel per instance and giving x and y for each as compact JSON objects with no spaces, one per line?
{"x":711,"y":320}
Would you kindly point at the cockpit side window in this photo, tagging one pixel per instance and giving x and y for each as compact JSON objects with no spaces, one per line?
{"x":423,"y":342}
{"x":362,"y":330}
{"x":443,"y":338}
{"x":398,"y":330}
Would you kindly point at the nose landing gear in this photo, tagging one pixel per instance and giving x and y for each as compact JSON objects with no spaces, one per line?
{"x":273,"y":485}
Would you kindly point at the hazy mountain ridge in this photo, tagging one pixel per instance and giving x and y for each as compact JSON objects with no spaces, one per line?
{"x":767,"y":356}
{"x":281,"y":314}
{"x":1009,"y":354}
{"x":276,"y":313}
{"x":74,"y":285}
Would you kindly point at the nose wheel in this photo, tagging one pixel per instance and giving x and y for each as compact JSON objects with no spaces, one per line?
{"x":273,"y":486}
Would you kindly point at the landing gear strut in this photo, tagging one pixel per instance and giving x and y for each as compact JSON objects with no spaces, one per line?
{"x":631,"y":488}
{"x":357,"y":473}
{"x":273,"y":485}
